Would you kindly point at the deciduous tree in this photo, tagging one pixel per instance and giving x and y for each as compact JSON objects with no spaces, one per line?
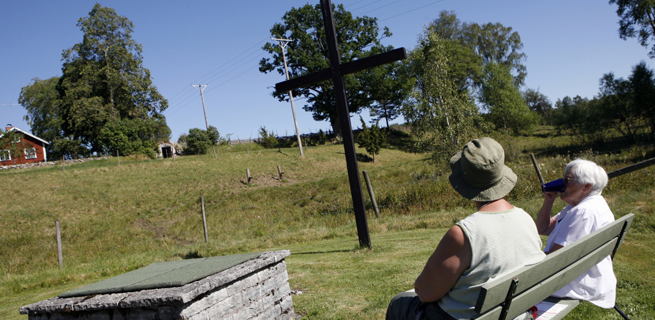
{"x":581,"y":118}
{"x":41,"y":101}
{"x":492,"y":42}
{"x":104,"y":81}
{"x":501,"y":97}
{"x":642,"y":81}
{"x":441,"y":117}
{"x":539,"y":103}
{"x":387,"y":87}
{"x":198,"y":141}
{"x":307,"y":53}
{"x":637,"y":21}
{"x":129,"y":136}
{"x":617,"y":108}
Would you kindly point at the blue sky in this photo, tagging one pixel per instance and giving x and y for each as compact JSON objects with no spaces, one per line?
{"x":569,"y":46}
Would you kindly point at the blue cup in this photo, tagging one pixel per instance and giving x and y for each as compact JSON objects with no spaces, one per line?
{"x":554,"y":186}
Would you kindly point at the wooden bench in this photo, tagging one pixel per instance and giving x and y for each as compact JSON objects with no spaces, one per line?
{"x":513,"y":294}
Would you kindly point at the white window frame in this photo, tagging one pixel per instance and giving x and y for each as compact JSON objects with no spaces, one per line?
{"x":5,"y":155}
{"x":30,"y":153}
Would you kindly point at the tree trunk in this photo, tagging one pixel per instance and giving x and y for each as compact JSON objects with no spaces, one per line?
{"x":336,"y":126}
{"x":386,"y":117}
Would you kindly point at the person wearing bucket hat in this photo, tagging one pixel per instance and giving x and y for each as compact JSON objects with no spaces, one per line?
{"x":497,"y":239}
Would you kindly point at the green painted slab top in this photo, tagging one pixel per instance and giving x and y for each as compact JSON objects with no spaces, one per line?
{"x":163,"y":275}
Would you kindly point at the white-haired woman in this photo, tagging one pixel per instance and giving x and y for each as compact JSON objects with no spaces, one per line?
{"x":586,"y":212}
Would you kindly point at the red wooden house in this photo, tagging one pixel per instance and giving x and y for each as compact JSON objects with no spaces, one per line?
{"x":34,"y":149}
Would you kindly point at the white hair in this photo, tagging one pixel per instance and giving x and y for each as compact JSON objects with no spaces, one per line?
{"x":585,"y":171}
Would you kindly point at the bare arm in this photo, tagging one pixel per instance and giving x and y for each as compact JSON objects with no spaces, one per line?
{"x":451,"y":258}
{"x":545,"y":223}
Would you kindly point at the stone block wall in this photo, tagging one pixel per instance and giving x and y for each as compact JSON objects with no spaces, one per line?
{"x":256,"y":289}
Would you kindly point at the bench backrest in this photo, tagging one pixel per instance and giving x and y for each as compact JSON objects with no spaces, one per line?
{"x":536,"y":282}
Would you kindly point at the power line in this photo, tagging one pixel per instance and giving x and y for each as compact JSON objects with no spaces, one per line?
{"x":209,"y":90}
{"x":364,"y":6}
{"x":412,"y":10}
{"x":238,"y":75}
{"x":213,"y":76}
{"x":239,"y":55}
{"x":223,"y":70}
{"x":386,"y":5}
{"x":209,"y":75}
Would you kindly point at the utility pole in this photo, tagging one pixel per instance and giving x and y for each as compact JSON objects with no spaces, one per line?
{"x":200,"y":86}
{"x":283,"y":44}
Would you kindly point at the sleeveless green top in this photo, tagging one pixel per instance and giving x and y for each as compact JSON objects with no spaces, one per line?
{"x":501,"y":242}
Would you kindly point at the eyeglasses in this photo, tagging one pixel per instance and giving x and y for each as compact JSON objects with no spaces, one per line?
{"x":567,"y":180}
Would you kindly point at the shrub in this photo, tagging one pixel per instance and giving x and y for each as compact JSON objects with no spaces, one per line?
{"x":371,"y":138}
{"x":267,"y":139}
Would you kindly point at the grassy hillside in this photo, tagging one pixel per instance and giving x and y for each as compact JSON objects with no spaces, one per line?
{"x":119,"y":218}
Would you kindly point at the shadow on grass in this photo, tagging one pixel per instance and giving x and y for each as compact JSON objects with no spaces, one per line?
{"x":400,"y":140}
{"x":364,"y":158}
{"x":608,"y":146}
{"x":190,"y":255}
{"x":322,"y":252}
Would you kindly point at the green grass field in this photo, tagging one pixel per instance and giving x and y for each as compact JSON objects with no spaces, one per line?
{"x":116,"y":219}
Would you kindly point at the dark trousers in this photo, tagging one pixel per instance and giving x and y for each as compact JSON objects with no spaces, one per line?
{"x":407,"y":305}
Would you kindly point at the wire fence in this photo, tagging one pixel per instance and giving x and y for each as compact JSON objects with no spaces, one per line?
{"x":323,"y":204}
{"x":337,"y":203}
{"x":340,"y":202}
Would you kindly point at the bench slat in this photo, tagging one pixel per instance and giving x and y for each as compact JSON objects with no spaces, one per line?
{"x":546,"y":287}
{"x":569,"y":303}
{"x":495,"y":292}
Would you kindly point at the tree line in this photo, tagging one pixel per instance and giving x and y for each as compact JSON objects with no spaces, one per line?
{"x":461,"y":80}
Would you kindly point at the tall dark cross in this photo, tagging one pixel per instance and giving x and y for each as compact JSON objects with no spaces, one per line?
{"x":336,"y":72}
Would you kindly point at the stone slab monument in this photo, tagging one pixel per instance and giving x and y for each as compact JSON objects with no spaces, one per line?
{"x":244,"y":286}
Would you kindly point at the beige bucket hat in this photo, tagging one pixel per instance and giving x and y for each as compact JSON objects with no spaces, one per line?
{"x":479,"y":172}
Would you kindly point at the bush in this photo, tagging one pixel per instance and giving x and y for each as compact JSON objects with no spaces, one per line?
{"x":371,"y":138}
{"x":197,"y":142}
{"x":267,"y":139}
{"x":129,"y":136}
{"x":322,"y":137}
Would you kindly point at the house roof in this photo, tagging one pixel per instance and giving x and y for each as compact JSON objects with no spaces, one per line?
{"x":26,"y":133}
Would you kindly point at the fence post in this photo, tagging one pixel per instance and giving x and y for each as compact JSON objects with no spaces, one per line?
{"x":279,"y":172}
{"x":536,"y":168}
{"x":119,"y":158}
{"x":248,"y":176}
{"x":371,"y":194}
{"x":63,"y":163}
{"x":60,"y":258}
{"x":204,"y":218}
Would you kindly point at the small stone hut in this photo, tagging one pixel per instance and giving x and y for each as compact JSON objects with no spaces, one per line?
{"x":166,"y":150}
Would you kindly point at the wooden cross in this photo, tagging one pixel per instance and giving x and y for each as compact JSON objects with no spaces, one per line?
{"x":631,"y":168}
{"x":611,"y":175}
{"x":336,"y":72}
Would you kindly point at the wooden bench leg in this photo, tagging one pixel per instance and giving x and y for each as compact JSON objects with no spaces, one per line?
{"x":616,"y":307}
